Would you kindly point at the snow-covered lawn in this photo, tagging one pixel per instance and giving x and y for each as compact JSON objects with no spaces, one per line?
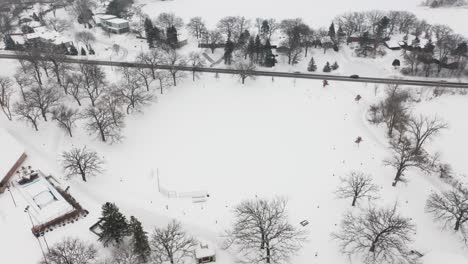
{"x":287,"y":137}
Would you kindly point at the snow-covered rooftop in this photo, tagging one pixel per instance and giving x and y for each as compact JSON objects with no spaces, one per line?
{"x":104,"y":16}
{"x":204,"y":251}
{"x":118,"y":21}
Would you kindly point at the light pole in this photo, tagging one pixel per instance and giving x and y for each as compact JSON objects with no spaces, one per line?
{"x":12,"y":198}
{"x":26,"y":210}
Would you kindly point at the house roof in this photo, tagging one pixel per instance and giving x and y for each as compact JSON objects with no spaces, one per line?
{"x":204,"y":251}
{"x":118,"y":21}
{"x":104,"y":16}
{"x":11,"y":152}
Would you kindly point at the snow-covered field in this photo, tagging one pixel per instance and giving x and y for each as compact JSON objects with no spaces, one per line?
{"x":285,"y":137}
{"x":288,"y":137}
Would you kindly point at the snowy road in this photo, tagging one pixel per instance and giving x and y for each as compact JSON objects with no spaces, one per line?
{"x":296,"y":75}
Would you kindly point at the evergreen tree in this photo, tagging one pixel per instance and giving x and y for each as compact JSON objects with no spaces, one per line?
{"x":114,"y":225}
{"x":243,"y":37}
{"x":258,"y":50}
{"x":335,"y":66}
{"x":265,"y":29}
{"x":83,"y":52}
{"x":73,"y":50}
{"x":327,"y":67}
{"x":9,"y":43}
{"x":228,"y":50}
{"x":35,"y":17}
{"x":270,"y":58}
{"x":171,"y":36}
{"x":64,"y":49}
{"x":340,"y":35}
{"x":139,"y":240}
{"x":312,"y":66}
{"x":250,"y":49}
{"x":149,"y":32}
{"x":91,"y":51}
{"x":331,"y":31}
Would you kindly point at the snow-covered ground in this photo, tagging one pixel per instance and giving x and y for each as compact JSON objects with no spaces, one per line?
{"x":288,"y":137}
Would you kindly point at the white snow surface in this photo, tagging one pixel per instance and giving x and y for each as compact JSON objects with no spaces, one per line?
{"x":291,"y":138}
{"x":10,"y":151}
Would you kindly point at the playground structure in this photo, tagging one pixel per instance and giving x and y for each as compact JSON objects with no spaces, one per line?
{"x":196,"y":196}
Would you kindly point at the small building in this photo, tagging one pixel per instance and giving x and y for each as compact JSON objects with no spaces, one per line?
{"x":392,"y":44}
{"x":112,"y":23}
{"x":11,"y":158}
{"x":204,"y":254}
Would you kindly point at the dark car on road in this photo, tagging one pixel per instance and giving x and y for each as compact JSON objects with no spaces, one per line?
{"x":354,"y":76}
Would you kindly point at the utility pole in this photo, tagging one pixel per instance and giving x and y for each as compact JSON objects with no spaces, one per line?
{"x":12,"y":198}
{"x":26,"y":210}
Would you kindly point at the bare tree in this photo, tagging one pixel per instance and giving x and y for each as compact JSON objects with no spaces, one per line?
{"x":228,"y":26}
{"x":26,"y":111}
{"x":423,"y":128}
{"x":394,"y":110}
{"x":379,"y":235}
{"x":195,"y":61}
{"x":43,"y":98}
{"x":102,"y":120}
{"x":123,"y":254}
{"x":57,"y":57}
{"x":171,"y":244}
{"x":262,"y":232}
{"x":167,"y":20}
{"x":94,"y":81}
{"x":82,"y":10}
{"x":293,"y":30}
{"x":30,"y":61}
{"x":164,"y":79}
{"x":174,"y":60}
{"x":71,"y":251}
{"x":85,"y":37}
{"x":212,"y":38}
{"x":65,"y":117}
{"x":245,"y":69}
{"x":404,"y":157}
{"x":450,"y":207}
{"x":24,"y":81}
{"x":196,"y":27}
{"x":134,"y":96}
{"x":357,"y":185}
{"x":267,"y":27}
{"x":144,"y":76}
{"x":81,"y":162}
{"x":72,"y":85}
{"x":6,"y":92}
{"x":114,"y":103}
{"x":151,"y":60}
{"x":58,"y":24}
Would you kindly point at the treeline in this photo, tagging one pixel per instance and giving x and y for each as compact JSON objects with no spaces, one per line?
{"x":443,"y":49}
{"x":442,"y":3}
{"x":46,"y":88}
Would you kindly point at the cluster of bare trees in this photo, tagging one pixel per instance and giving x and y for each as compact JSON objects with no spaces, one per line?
{"x":47,"y":85}
{"x":407,"y":133}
